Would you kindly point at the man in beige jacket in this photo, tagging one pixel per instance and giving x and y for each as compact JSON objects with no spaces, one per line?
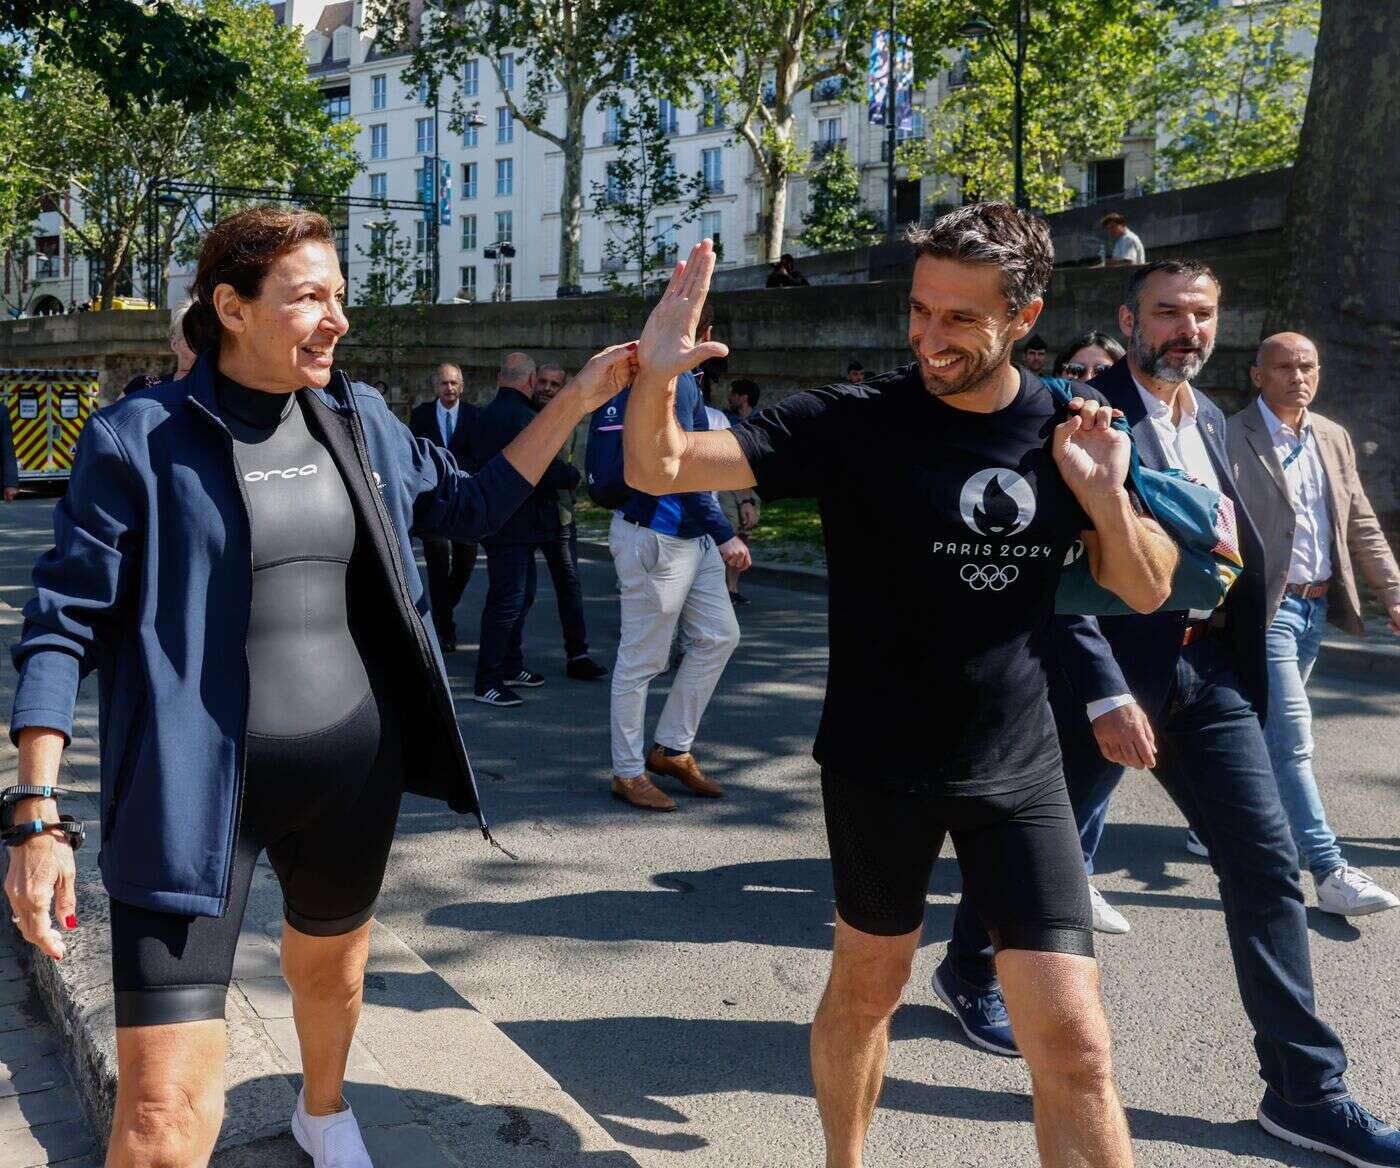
{"x":1297,"y":474}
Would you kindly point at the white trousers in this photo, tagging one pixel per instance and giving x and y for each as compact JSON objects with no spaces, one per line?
{"x":666,"y":580}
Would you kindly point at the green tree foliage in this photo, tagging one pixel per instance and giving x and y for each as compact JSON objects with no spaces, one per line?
{"x":137,"y":52}
{"x":1247,"y":76}
{"x":835,"y":218}
{"x":1086,"y":85}
{"x":642,"y":181}
{"x":392,"y":298}
{"x":583,"y":49}
{"x":763,"y":54}
{"x":273,"y":133}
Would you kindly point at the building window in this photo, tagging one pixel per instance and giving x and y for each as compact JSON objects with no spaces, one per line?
{"x":613,"y":133}
{"x":379,"y":142}
{"x":420,"y":240}
{"x":665,"y":236}
{"x":468,"y":232}
{"x":711,"y":110}
{"x":505,"y":126}
{"x":503,"y":280}
{"x":378,"y":91}
{"x":613,"y":193}
{"x":829,"y":130}
{"x":471,"y":78}
{"x":505,"y":176}
{"x":379,"y":186}
{"x":712,"y":166}
{"x":340,"y":43}
{"x":425,"y":96}
{"x":667,"y":116}
{"x":467,"y":284}
{"x":507,"y":63}
{"x":469,"y":180}
{"x":469,"y":135}
{"x":710,"y":229}
{"x":336,"y":103}
{"x":423,"y":184}
{"x":505,"y":227}
{"x":427,"y":136}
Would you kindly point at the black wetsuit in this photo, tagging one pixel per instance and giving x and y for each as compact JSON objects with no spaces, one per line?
{"x":323,"y":771}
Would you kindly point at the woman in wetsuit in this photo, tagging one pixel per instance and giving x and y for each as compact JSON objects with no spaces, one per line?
{"x":233,"y":557}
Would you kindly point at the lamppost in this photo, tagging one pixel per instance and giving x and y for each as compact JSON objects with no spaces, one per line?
{"x":500,"y":252}
{"x":891,"y":138}
{"x":978,"y":28}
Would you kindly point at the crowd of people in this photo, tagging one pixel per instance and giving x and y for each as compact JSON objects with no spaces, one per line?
{"x":965,"y":707}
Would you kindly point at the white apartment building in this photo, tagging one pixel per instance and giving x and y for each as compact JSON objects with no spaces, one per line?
{"x":506,"y":181}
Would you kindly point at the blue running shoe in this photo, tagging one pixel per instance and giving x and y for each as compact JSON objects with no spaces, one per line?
{"x":981,"y":1013}
{"x":1342,"y":1128}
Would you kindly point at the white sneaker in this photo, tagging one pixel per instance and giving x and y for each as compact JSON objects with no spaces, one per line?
{"x":1195,"y":846}
{"x":1349,"y":892}
{"x":332,"y":1141}
{"x":1107,"y":919}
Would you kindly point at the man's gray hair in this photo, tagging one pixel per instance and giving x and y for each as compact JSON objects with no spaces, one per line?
{"x":999,"y":235}
{"x":516,"y":368}
{"x":554,"y":366}
{"x":177,"y":319}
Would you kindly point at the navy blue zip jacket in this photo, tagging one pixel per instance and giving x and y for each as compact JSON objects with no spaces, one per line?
{"x":150,"y":583}
{"x":495,"y":428}
{"x":687,"y":515}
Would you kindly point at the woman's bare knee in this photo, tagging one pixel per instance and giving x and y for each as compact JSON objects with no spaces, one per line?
{"x":170,"y":1094}
{"x":329,"y":969}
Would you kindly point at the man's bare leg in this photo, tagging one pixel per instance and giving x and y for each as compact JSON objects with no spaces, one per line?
{"x":851,"y":1034}
{"x":1058,"y":1019}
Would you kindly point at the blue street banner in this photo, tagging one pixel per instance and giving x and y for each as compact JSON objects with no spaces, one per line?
{"x":445,"y":194}
{"x":878,"y":80}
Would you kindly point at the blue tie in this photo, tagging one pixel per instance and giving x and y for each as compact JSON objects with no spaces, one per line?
{"x":447,"y":425}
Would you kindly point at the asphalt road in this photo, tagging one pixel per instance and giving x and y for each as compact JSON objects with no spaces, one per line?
{"x":664,"y":968}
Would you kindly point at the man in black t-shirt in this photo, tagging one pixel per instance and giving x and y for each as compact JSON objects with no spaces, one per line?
{"x":950,"y":493}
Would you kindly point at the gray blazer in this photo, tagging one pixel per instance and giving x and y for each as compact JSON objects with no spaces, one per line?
{"x":1355,"y":530}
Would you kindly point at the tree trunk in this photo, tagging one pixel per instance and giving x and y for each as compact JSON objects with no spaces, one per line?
{"x":571,"y":197}
{"x":1341,"y":246}
{"x":775,"y":194}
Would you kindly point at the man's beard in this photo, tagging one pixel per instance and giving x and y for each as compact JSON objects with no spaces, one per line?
{"x":1173,"y":368}
{"x":978,"y":366}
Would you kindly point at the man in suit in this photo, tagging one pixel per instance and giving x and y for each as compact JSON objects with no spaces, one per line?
{"x":1201,"y":678}
{"x":510,"y":551}
{"x":448,"y":421}
{"x":1297,"y":473}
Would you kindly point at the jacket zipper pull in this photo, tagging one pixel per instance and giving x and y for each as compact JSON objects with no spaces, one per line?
{"x":495,"y":843}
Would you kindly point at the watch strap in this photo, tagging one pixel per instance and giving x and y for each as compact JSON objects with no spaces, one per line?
{"x":22,"y":832}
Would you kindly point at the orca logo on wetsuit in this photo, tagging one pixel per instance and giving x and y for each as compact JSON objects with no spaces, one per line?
{"x":997,"y":501}
{"x":292,"y":472}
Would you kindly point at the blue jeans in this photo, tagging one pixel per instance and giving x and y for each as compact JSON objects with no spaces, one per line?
{"x":1293,"y":642}
{"x":1213,"y":762}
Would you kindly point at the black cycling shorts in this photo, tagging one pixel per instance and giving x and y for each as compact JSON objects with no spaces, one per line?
{"x":1022,"y":867}
{"x":324,"y":806}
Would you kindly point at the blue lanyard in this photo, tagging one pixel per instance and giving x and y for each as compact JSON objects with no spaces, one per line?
{"x":1297,"y":450}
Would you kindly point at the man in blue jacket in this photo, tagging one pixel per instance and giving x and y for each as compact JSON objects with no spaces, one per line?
{"x":670,"y":553}
{"x":510,"y":552}
{"x":1202,"y":681}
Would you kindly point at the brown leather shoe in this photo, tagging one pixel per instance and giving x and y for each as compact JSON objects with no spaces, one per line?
{"x":685,"y":768}
{"x":642,"y":792}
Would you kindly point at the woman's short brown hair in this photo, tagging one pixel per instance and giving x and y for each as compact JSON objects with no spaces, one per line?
{"x":240,"y":251}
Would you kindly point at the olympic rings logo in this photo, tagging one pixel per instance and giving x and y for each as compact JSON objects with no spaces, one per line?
{"x":992,"y":576}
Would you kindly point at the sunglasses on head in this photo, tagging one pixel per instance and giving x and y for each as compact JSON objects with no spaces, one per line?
{"x":1083,"y":372}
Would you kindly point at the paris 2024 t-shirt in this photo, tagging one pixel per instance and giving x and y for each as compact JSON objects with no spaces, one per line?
{"x":945,"y":534}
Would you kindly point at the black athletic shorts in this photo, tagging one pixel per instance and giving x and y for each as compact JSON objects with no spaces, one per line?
{"x":1022,"y":867}
{"x":324,"y":806}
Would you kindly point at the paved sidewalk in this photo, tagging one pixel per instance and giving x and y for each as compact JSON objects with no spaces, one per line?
{"x":41,"y":1120}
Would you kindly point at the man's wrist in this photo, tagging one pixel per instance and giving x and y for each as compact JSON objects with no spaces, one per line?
{"x":1114,"y":504}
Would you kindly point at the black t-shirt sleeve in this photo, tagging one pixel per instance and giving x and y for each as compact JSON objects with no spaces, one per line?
{"x":794,"y":448}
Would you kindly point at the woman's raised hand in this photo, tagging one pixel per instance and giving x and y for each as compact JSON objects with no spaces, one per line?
{"x":605,"y":375}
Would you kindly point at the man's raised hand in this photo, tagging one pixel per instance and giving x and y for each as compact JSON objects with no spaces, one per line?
{"x":668,"y":347}
{"x":1092,"y":456}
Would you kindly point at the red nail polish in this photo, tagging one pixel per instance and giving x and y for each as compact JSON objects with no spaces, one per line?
{"x":632,"y":346}
{"x":71,"y":921}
